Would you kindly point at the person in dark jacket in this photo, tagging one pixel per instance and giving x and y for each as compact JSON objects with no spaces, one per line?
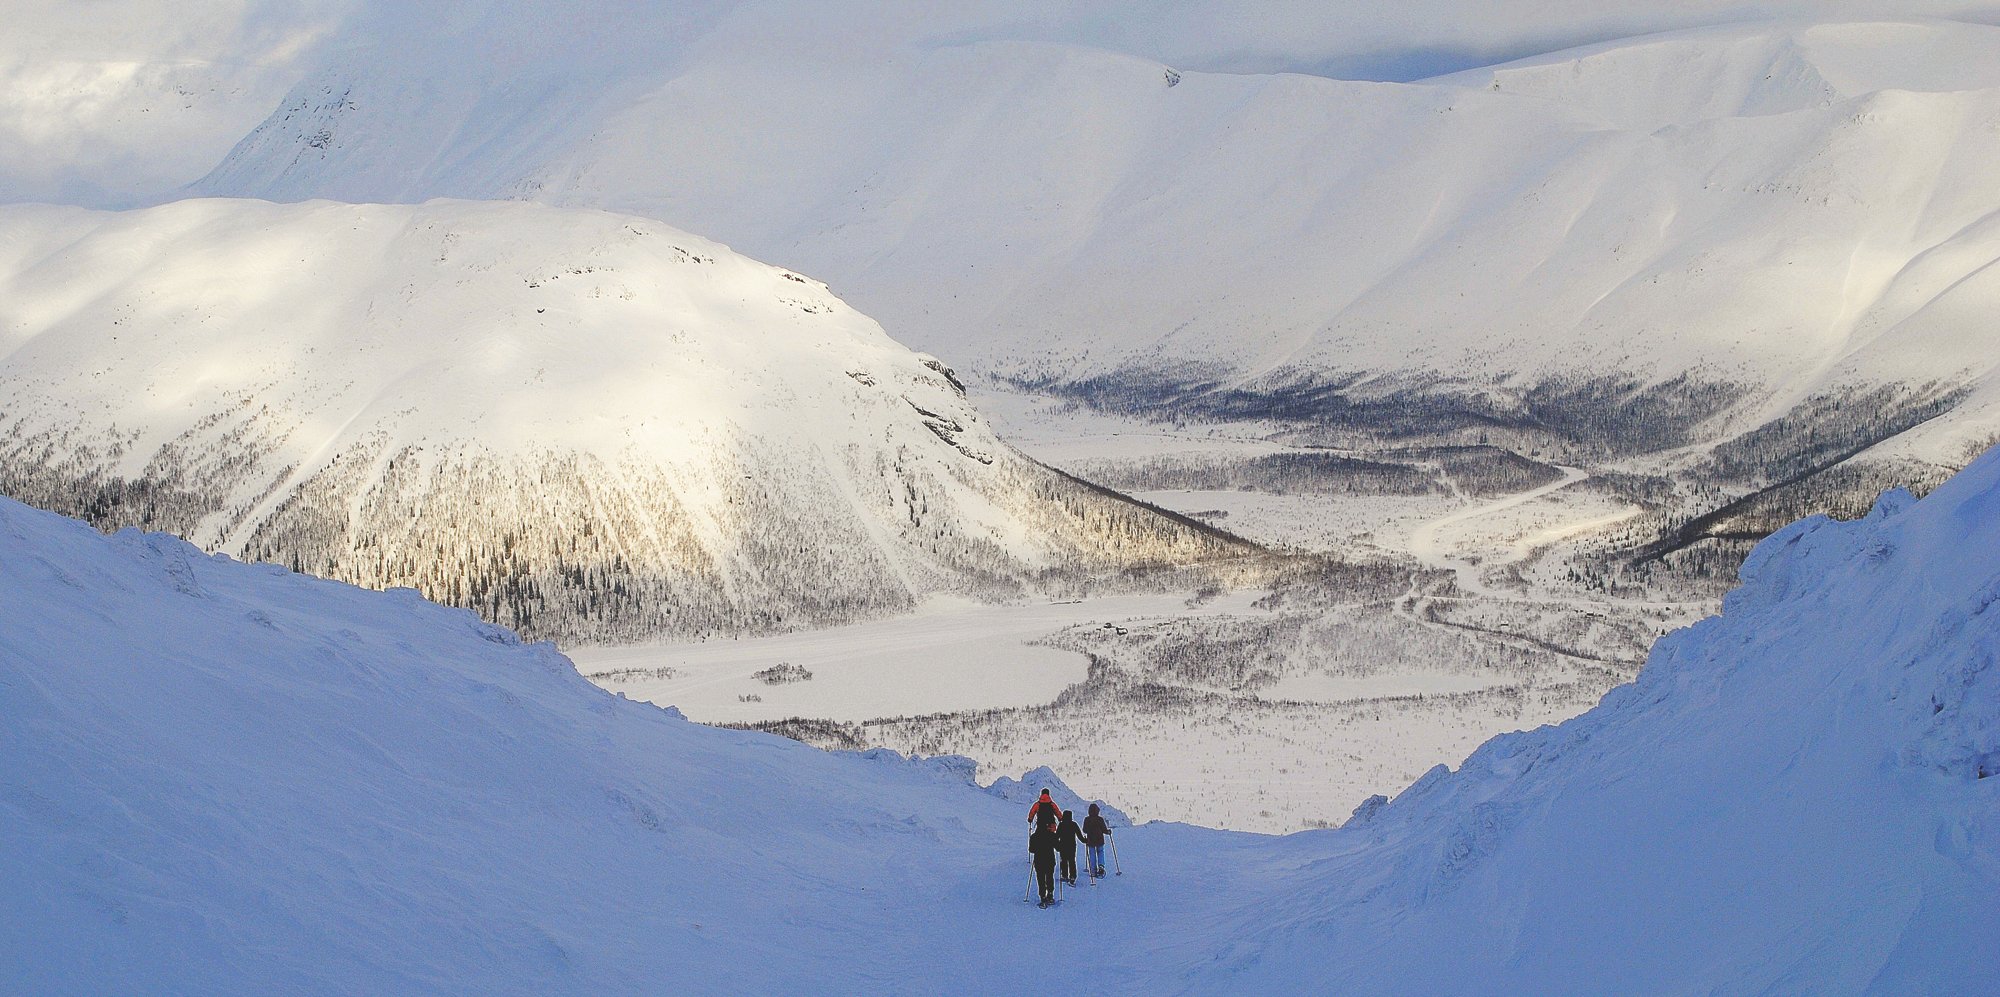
{"x":1042,"y":845}
{"x":1066,"y":834}
{"x":1094,"y":833}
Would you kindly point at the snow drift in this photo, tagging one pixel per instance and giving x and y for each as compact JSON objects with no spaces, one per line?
{"x":574,"y":422}
{"x":220,"y":777}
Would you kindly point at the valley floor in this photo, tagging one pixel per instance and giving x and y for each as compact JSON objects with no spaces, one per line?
{"x":951,"y":656}
{"x":1446,"y":618}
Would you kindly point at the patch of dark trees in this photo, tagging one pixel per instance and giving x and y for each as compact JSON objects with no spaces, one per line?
{"x":1495,"y":439}
{"x":1574,"y":417}
{"x":827,"y":735}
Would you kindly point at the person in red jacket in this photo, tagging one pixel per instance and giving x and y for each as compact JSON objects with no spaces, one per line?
{"x":1044,"y":807}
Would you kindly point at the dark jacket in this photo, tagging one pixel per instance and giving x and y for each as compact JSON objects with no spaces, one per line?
{"x":1094,"y":830}
{"x":1066,"y":835}
{"x":1043,"y":845}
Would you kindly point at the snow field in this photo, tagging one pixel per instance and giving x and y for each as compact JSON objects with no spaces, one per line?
{"x":1316,"y":523}
{"x":947,"y":657}
{"x":229,"y":777}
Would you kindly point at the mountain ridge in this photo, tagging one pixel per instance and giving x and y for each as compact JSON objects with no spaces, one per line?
{"x":1768,"y":212}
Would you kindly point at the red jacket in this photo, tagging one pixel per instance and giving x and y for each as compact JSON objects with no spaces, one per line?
{"x":1036,"y":816}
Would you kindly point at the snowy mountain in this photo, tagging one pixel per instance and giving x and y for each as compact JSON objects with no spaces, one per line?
{"x":222,"y":777}
{"x":1737,"y":249}
{"x":576,"y":423}
{"x":1639,"y":245}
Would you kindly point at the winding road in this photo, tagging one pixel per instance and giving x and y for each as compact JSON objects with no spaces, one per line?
{"x":1429,"y":549}
{"x":1427,"y":545}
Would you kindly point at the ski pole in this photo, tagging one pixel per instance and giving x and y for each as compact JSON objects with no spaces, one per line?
{"x":1029,"y":897}
{"x":1120,"y":866}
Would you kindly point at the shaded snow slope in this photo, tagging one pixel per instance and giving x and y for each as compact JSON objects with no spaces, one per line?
{"x":219,"y":778}
{"x":1801,"y":795}
{"x":1774,"y":211}
{"x":575,"y":422}
{"x":222,"y":777}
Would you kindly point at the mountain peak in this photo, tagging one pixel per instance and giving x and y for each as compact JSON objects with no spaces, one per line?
{"x":579,"y":422}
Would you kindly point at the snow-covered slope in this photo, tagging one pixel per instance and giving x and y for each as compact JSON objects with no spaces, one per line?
{"x":574,"y":422}
{"x":118,"y":102}
{"x":1801,"y":795}
{"x":221,"y":777}
{"x":1765,"y":211}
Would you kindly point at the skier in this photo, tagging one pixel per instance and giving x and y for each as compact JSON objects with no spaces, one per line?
{"x":1042,"y":844}
{"x":1094,"y":833}
{"x":1043,"y":807}
{"x":1066,"y":835}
